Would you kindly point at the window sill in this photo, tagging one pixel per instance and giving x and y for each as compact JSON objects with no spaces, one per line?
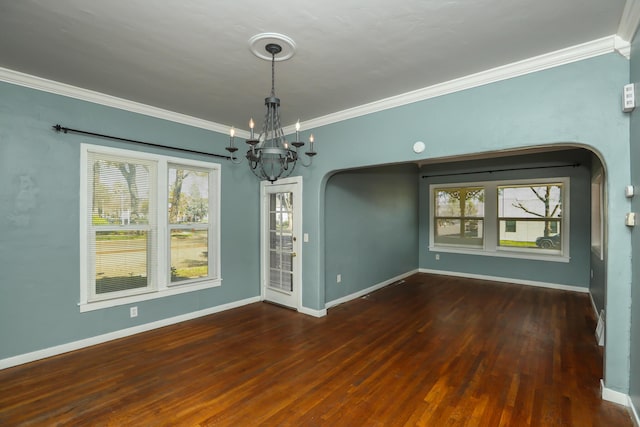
{"x":502,"y":253}
{"x":173,"y":290}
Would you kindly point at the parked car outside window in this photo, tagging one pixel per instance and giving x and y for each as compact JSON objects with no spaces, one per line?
{"x":548,"y":242}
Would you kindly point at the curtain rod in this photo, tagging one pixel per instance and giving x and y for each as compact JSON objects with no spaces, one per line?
{"x":59,"y":128}
{"x":573,"y":165}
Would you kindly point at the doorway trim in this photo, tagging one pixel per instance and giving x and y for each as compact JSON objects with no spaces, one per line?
{"x":295,"y":184}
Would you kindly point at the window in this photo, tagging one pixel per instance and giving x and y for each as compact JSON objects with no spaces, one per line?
{"x":519,"y":218}
{"x":188,"y":223}
{"x":149,"y":226}
{"x":535,"y":211}
{"x":459,"y":214}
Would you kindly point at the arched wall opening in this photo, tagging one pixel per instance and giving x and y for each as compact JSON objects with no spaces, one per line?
{"x":376,"y":222}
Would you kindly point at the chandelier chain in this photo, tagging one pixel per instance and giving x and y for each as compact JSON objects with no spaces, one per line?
{"x":273,"y":74}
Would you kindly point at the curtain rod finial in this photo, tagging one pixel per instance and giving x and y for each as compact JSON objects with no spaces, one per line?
{"x":59,"y":128}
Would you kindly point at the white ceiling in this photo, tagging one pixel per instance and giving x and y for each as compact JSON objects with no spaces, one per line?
{"x":193,"y":57}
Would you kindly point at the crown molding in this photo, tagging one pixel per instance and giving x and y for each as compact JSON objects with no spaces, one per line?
{"x":622,"y":46}
{"x":630,"y":20}
{"x":568,"y":55}
{"x":531,"y":65}
{"x":57,"y":88}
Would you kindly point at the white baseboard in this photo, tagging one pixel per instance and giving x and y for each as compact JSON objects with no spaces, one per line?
{"x":311,"y":312}
{"x":368,"y":290}
{"x":99,"y":339}
{"x":613,"y":396}
{"x":634,"y":413}
{"x":508,"y":280}
{"x":620,"y":399}
{"x":593,"y":305}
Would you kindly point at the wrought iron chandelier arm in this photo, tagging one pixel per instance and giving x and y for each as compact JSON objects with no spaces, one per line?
{"x":234,"y":159}
{"x":302,"y":162}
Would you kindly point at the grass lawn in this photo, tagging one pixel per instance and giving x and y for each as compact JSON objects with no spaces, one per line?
{"x":518,"y":244}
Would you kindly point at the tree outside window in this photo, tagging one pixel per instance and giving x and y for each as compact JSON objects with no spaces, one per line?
{"x":536,"y":211}
{"x":459,"y":216}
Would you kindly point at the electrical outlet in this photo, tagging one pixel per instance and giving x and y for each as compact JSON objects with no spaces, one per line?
{"x":339,"y":278}
{"x":133,"y":311}
{"x":437,"y":257}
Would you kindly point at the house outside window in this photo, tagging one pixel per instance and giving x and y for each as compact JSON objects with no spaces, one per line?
{"x":536,"y":212}
{"x":149,"y":226}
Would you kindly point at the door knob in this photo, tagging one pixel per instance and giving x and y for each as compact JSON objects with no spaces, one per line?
{"x":293,"y":255}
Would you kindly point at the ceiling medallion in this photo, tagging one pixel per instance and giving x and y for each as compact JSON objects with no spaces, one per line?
{"x":258,"y":46}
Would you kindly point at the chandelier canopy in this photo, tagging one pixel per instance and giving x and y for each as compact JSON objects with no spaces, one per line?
{"x":270,"y":155}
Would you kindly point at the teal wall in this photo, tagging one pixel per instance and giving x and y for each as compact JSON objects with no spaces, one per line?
{"x":371,"y":218}
{"x":574,"y":273}
{"x":39,"y":254}
{"x":634,"y":380}
{"x":574,"y":103}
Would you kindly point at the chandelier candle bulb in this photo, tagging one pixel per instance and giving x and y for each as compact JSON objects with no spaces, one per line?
{"x":251,"y":126}
{"x":297,"y":143}
{"x":232,"y":136}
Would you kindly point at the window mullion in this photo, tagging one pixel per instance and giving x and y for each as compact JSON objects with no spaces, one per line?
{"x":162,"y":271}
{"x":490,"y":215}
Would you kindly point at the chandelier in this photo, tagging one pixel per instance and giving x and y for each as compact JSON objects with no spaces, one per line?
{"x":270,"y":155}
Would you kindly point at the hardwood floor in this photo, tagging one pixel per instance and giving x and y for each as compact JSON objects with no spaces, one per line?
{"x":432,"y":351}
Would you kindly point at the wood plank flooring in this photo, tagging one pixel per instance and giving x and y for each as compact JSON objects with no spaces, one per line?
{"x":432,"y":351}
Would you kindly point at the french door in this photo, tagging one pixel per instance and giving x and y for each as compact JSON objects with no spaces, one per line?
{"x":281,"y":223}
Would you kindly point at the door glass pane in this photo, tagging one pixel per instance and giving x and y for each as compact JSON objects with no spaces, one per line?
{"x":281,"y":241}
{"x":121,"y":260}
{"x":274,"y":278}
{"x":287,"y":262}
{"x":274,"y":261}
{"x":189,"y":254}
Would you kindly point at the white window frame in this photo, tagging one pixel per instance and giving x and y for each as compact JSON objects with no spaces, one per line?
{"x":491,"y":231}
{"x":159,"y":276}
